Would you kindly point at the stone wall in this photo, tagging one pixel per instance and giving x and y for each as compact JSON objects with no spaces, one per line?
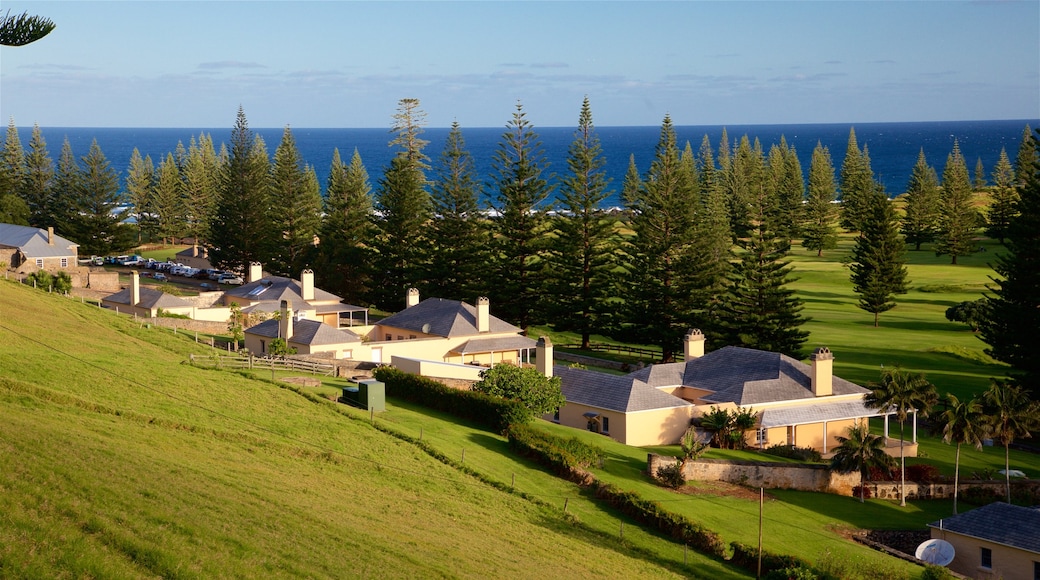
{"x":914,"y":490}
{"x":800,"y":476}
{"x":103,"y":281}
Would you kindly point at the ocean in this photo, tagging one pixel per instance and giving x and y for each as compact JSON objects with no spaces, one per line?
{"x":893,"y":146}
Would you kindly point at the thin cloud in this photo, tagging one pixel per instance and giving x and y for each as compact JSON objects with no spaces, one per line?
{"x":224,"y":64}
{"x":549,"y":65}
{"x":49,"y":66}
{"x":884,"y":61}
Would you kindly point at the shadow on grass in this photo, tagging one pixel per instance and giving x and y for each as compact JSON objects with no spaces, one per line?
{"x":874,"y":514}
{"x":912,"y":325}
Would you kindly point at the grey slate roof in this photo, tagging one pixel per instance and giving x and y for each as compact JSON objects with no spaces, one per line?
{"x":33,"y":242}
{"x":612,"y":392}
{"x":746,"y":376}
{"x":278,"y":288}
{"x":309,"y":332}
{"x":496,"y":344}
{"x":804,"y":414}
{"x":149,"y":297}
{"x":448,"y":318}
{"x":1001,"y":523}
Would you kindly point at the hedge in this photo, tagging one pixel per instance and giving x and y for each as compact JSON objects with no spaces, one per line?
{"x":492,"y":412}
{"x":747,"y":557}
{"x":566,"y":457}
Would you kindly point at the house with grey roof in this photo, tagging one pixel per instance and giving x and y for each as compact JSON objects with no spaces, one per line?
{"x":796,"y":403}
{"x":304,"y":335}
{"x":998,"y":540}
{"x":145,"y":302}
{"x":27,"y":249}
{"x":264,"y":293}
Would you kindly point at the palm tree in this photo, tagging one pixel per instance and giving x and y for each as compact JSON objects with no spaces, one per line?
{"x":1011,"y":414}
{"x":860,"y":451}
{"x":963,"y":422}
{"x":902,"y":393}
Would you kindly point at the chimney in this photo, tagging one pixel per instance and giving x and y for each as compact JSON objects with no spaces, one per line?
{"x":135,"y":288}
{"x":544,"y":356}
{"x":285,"y":323}
{"x":50,"y":235}
{"x":822,"y":372}
{"x":411,"y":297}
{"x":307,"y":281}
{"x":256,"y":272}
{"x":693,"y":344}
{"x":484,"y":315}
{"x":194,"y":251}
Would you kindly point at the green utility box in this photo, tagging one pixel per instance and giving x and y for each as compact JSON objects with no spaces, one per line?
{"x":369,"y":394}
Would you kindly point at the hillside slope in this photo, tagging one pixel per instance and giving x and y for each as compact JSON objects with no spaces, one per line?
{"x":117,"y":460}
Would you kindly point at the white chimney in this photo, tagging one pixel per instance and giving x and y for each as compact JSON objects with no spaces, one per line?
{"x":135,"y":288}
{"x":822,"y":372}
{"x":484,"y":315}
{"x":194,"y":251}
{"x":411,"y":297}
{"x":285,"y":323}
{"x":544,"y":356}
{"x":256,"y":271}
{"x":50,"y":235}
{"x":307,"y":281}
{"x":693,"y":344}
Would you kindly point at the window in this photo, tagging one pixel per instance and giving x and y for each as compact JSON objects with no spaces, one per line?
{"x":389,"y":337}
{"x":64,"y":262}
{"x":556,"y":416}
{"x":411,"y":337}
{"x":761,"y":438}
{"x":987,"y":558}
{"x":263,"y":347}
{"x":400,"y":337}
{"x":39,"y":263}
{"x":606,"y":424}
{"x":1036,"y":570}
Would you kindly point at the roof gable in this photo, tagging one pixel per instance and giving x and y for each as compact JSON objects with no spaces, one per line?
{"x":309,"y":332}
{"x":148,"y":298}
{"x":33,"y":242}
{"x":447,"y":318}
{"x":279,"y":288}
{"x":612,"y":392}
{"x":1002,"y":523}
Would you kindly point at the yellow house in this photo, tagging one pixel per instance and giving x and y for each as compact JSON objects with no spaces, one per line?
{"x":995,"y":541}
{"x":145,"y":302}
{"x":796,"y":403}
{"x":306,"y":336}
{"x":262,"y":293}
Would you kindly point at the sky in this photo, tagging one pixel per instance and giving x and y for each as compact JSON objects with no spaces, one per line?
{"x":341,"y":64}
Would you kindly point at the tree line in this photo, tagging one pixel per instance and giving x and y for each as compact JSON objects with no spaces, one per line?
{"x":702,"y":241}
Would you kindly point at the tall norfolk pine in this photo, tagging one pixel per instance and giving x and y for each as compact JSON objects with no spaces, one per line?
{"x":958,"y":219}
{"x":820,"y":210}
{"x":878,"y":258}
{"x":344,"y":256}
{"x":921,"y":220}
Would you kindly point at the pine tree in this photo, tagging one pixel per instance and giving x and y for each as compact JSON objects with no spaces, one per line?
{"x":583,"y":256}
{"x":166,"y":200}
{"x":857,"y":183}
{"x":921,"y":220}
{"x":403,"y":205}
{"x":344,"y":254}
{"x":39,"y":176}
{"x":1026,"y":158}
{"x":62,"y":191}
{"x":94,"y":196}
{"x":633,"y":183}
{"x":458,"y":233}
{"x":200,"y":176}
{"x":759,"y":309}
{"x":879,"y":258}
{"x":242,"y":230}
{"x":980,"y":175}
{"x":787,"y":190}
{"x":660,"y":290}
{"x":820,"y":211}
{"x":140,"y":192}
{"x":1002,"y":208}
{"x":746,"y":187}
{"x":713,"y":232}
{"x":12,"y":162}
{"x":519,"y":198}
{"x":295,"y":208}
{"x":1010,"y":330}
{"x":958,"y":219}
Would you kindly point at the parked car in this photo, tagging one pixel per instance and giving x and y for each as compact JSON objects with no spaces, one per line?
{"x":231,"y":279}
{"x":160,"y":277}
{"x":208,"y":286}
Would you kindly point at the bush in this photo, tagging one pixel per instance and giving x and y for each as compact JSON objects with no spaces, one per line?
{"x":933,"y":572}
{"x":567,"y":457}
{"x":672,"y":475}
{"x":539,"y":393}
{"x":747,"y":557}
{"x":923,"y":473}
{"x":806,"y":454}
{"x":492,"y":412}
{"x":972,"y":313}
{"x":865,"y":489}
{"x":979,"y":495}
{"x":794,"y":573}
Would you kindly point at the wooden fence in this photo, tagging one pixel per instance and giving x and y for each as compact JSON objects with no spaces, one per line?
{"x":630,"y":351}
{"x":254,"y":362}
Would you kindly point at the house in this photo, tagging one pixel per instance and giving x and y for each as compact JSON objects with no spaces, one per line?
{"x":196,"y":257}
{"x":27,"y":249}
{"x":999,"y":540}
{"x":306,"y":336}
{"x":795,"y":403}
{"x":264,"y":294}
{"x":145,"y":302}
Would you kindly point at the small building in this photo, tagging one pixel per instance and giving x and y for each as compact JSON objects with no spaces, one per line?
{"x":145,"y":302}
{"x":998,"y":540}
{"x":306,"y":336}
{"x":264,"y":294}
{"x":196,"y":257}
{"x":27,"y":249}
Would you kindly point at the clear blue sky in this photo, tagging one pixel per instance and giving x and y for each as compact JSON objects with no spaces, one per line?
{"x":346,"y":64}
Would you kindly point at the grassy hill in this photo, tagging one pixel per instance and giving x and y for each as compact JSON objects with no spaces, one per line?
{"x":117,"y":460}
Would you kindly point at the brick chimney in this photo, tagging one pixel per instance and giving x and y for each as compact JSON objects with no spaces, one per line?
{"x":544,"y":356}
{"x":693,"y":344}
{"x":411,"y":298}
{"x":285,"y":323}
{"x":822,"y":372}
{"x":307,"y":282}
{"x":50,"y":235}
{"x":135,"y":288}
{"x":256,"y":272}
{"x":484,"y":315}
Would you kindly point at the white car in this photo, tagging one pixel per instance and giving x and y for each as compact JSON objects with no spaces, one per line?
{"x":231,"y":279}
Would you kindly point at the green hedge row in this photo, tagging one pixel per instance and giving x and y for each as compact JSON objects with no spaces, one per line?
{"x":747,"y":557}
{"x":492,"y":412}
{"x":568,"y":458}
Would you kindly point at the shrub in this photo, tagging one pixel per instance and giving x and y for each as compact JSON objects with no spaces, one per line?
{"x":492,"y":412}
{"x":672,"y":475}
{"x":747,"y":557}
{"x":979,"y":495}
{"x":883,"y":474}
{"x":567,"y":457}
{"x":806,"y":454}
{"x":539,"y":393}
{"x":794,"y":573}
{"x":923,"y":473}
{"x":865,"y":489}
{"x":972,"y":313}
{"x":933,"y":572}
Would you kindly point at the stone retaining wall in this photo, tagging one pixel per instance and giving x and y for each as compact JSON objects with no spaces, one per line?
{"x":800,"y":476}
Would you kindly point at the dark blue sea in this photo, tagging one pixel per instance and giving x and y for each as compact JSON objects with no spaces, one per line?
{"x":893,"y":146}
